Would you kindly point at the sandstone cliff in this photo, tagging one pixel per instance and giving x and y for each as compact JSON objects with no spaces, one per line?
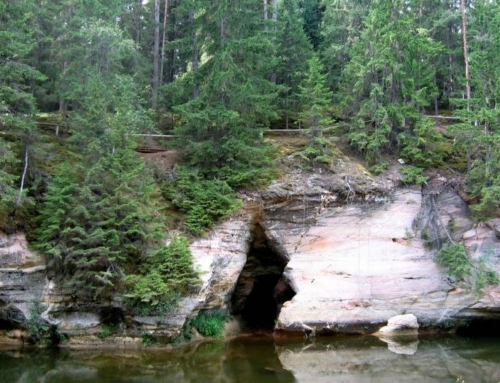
{"x":313,"y":253}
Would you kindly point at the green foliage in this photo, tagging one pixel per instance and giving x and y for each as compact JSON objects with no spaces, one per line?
{"x":379,"y":168}
{"x":95,"y":221}
{"x":316,"y":98}
{"x":456,"y":260}
{"x":210,"y":324}
{"x":315,"y":115}
{"x":220,"y":128}
{"x":204,"y":201}
{"x":17,"y":107}
{"x":387,"y":80}
{"x":412,"y":175}
{"x":166,"y":275}
{"x":148,"y":339}
{"x":109,"y":329}
{"x":38,"y":329}
{"x":8,"y":191}
{"x":426,"y":237}
{"x":422,"y":146}
{"x":293,"y":51}
{"x":485,"y":275}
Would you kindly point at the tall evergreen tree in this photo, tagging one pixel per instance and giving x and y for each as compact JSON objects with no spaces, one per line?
{"x":312,"y":13}
{"x":479,"y":129}
{"x":388,"y":81}
{"x":220,"y":126}
{"x":17,"y":104}
{"x":293,"y":51}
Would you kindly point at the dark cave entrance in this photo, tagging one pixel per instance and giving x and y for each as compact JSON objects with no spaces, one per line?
{"x":261,"y":289}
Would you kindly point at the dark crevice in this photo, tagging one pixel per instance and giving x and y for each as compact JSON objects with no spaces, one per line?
{"x":480,"y":327}
{"x":261,"y":289}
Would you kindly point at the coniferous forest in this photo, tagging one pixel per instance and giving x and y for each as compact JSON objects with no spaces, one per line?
{"x":83,"y":81}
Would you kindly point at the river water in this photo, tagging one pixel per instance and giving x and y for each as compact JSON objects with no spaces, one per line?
{"x":263,"y":359}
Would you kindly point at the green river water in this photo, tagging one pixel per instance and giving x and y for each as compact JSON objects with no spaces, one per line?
{"x":263,"y":359}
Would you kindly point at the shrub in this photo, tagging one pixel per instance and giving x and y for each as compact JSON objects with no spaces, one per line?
{"x":412,"y":175}
{"x":37,"y":328}
{"x":166,"y":275}
{"x":379,"y":168}
{"x":148,"y":339}
{"x":454,"y":257}
{"x":203,"y":201}
{"x":210,"y":324}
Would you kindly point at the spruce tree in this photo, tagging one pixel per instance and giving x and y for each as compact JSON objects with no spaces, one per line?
{"x":17,"y":105}
{"x":479,"y":129}
{"x":388,"y":81}
{"x":293,"y":52}
{"x":221,"y":126}
{"x":99,"y":220}
{"x":316,"y":100}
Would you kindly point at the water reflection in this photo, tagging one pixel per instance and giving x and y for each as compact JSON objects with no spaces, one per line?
{"x":263,"y":360}
{"x":371,"y":360}
{"x":404,"y":345}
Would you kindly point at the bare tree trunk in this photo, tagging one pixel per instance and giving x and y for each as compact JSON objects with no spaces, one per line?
{"x":162,"y":61}
{"x":25,"y":168}
{"x":156,"y":55}
{"x":222,"y":33}
{"x":266,"y":16}
{"x":194,"y":58}
{"x":275,"y":10}
{"x":466,"y":54}
{"x":137,"y":22}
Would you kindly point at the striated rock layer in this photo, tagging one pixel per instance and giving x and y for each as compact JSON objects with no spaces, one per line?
{"x":355,"y":252}
{"x":355,"y":264}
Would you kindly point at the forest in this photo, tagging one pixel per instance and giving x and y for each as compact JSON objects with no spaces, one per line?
{"x":81,"y":82}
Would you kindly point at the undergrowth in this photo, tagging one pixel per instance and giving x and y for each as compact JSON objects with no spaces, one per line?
{"x":210,"y":324}
{"x":203,"y":201}
{"x":165,"y":276}
{"x":475,"y":274}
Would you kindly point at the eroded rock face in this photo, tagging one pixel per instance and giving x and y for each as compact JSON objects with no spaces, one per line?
{"x":354,"y":251}
{"x":358,"y":260}
{"x":22,"y":277}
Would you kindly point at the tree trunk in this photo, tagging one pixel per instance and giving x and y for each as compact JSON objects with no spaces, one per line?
{"x":466,"y":54}
{"x":222,"y":34}
{"x":137,"y":22}
{"x":194,"y":61}
{"x":25,"y":168}
{"x":156,"y":55}
{"x":165,"y":14}
{"x":275,"y":10}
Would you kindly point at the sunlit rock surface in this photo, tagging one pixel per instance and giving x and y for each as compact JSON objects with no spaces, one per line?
{"x":400,"y":325}
{"x":360,"y":258}
{"x":360,"y":264}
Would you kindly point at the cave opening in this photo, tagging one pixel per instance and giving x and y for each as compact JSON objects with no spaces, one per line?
{"x":480,"y":327}
{"x":261,"y":289}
